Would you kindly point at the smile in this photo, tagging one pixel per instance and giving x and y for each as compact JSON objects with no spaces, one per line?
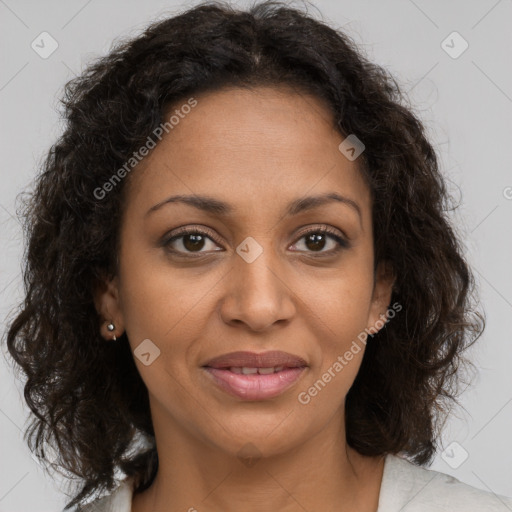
{"x":253,"y":376}
{"x":255,"y":383}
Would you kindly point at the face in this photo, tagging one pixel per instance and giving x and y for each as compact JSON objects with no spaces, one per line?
{"x":250,"y":274}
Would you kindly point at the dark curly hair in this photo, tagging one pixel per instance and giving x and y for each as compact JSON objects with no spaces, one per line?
{"x":90,"y":404}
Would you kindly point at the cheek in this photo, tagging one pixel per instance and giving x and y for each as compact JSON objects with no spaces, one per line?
{"x":340,"y":299}
{"x":154,"y":300}
{"x":336,"y":314}
{"x":338,"y":322}
{"x":160,"y":307}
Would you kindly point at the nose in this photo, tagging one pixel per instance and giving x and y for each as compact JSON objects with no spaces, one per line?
{"x":258,"y":294}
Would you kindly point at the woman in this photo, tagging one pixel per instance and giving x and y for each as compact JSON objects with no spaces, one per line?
{"x":243,"y":292}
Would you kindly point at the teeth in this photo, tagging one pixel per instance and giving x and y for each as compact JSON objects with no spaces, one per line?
{"x":251,"y":371}
{"x":266,"y":371}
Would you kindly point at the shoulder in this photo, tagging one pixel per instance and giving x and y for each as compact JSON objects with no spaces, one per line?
{"x":411,"y":488}
{"x":120,"y":500}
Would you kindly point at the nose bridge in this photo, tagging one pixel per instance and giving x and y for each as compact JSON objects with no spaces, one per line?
{"x":257,"y":266}
{"x":255,"y":263}
{"x":258,"y":295}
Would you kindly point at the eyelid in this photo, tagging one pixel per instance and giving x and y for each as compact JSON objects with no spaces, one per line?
{"x":323,"y":228}
{"x":186,"y":230}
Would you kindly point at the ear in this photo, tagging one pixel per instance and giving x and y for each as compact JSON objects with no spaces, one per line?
{"x":382,"y":290}
{"x":107,"y":303}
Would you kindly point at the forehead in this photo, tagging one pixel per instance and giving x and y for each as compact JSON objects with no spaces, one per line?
{"x":243,"y":145}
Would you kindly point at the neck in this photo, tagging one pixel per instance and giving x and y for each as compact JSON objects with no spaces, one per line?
{"x":323,"y":473}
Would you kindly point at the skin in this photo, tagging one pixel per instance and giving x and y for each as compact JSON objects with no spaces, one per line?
{"x":257,"y":150}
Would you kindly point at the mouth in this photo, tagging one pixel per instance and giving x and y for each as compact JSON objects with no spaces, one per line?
{"x":252,"y":376}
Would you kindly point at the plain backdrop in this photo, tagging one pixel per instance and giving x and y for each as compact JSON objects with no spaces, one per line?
{"x":463,"y":97}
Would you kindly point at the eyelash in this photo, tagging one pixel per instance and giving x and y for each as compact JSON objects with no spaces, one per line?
{"x":342,"y":243}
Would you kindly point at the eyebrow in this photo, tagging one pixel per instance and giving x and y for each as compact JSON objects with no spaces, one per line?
{"x":217,"y":207}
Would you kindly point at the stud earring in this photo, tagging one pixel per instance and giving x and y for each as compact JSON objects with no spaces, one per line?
{"x":111,"y":327}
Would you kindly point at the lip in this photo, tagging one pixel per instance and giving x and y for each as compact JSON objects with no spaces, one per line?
{"x":257,"y":360}
{"x":255,"y":386}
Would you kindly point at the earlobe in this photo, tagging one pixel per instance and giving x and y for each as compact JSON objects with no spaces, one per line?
{"x":383,"y":289}
{"x":107,"y":303}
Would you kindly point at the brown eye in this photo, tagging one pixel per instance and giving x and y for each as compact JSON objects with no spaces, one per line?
{"x":193,"y":242}
{"x":190,"y":241}
{"x":317,"y":239}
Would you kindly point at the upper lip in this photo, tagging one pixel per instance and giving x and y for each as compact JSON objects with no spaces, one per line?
{"x":256,"y":360}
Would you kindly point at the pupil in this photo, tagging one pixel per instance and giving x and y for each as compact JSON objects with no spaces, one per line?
{"x":315,"y":239}
{"x":197,"y":242}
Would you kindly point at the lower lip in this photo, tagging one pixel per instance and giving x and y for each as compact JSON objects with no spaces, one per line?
{"x":255,"y":386}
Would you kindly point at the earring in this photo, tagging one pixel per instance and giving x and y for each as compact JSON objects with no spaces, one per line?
{"x":111,"y":327}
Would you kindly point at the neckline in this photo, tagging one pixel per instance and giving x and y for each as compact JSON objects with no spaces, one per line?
{"x":389,"y":480}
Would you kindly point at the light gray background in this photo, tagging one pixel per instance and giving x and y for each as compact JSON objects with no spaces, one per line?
{"x":465,"y":102}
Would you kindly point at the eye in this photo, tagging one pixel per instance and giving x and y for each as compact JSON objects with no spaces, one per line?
{"x":315,"y":240}
{"x":188,"y":240}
